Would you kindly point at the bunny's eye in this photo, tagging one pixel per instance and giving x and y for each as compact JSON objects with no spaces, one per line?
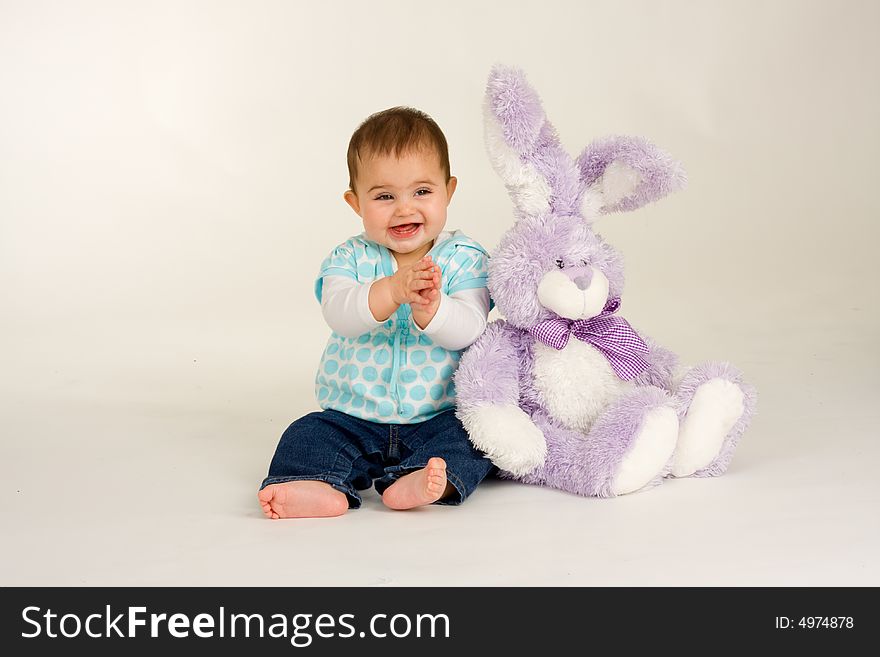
{"x":559,"y":263}
{"x":584,"y":262}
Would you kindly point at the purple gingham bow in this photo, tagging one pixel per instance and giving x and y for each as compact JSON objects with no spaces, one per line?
{"x":613,"y":336}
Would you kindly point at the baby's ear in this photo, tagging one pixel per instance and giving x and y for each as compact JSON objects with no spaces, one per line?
{"x":352,"y":200}
{"x":513,"y":123}
{"x":620,"y":174}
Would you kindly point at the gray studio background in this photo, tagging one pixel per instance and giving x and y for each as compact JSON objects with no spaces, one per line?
{"x":171,"y":175}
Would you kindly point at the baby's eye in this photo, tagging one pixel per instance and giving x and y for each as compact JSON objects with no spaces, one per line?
{"x":383,"y":197}
{"x":559,"y":263}
{"x":423,"y":192}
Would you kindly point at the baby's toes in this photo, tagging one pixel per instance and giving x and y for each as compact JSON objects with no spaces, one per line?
{"x":436,"y":475}
{"x":436,"y":464}
{"x":264,"y":497}
{"x":435,"y":484}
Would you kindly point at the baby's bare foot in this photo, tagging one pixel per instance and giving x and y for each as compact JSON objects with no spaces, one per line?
{"x":302,"y":499}
{"x":418,"y":488}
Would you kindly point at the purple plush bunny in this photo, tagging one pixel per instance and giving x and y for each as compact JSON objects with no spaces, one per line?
{"x":564,"y":392}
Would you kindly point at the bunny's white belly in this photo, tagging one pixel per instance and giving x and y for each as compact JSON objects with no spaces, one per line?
{"x":575,"y":382}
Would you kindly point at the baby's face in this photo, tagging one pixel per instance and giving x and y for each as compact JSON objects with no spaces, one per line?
{"x":402,"y":201}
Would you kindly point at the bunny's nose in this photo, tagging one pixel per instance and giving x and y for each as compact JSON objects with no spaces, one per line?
{"x":580,"y":276}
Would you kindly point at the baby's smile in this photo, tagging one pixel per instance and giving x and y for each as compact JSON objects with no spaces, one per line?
{"x":405,"y":231}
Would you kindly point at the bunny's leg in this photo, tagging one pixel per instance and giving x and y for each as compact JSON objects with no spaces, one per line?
{"x":629,"y":447}
{"x":717,"y":406}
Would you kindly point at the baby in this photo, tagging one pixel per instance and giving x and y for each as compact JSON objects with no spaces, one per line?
{"x":403,"y":299}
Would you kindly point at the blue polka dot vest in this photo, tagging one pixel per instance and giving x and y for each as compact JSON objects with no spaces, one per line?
{"x":394,"y":374}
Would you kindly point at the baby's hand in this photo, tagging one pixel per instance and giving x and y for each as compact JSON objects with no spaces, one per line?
{"x":410,"y":281}
{"x":428,"y":302}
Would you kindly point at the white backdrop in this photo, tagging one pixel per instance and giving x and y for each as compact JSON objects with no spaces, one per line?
{"x":171,"y":175}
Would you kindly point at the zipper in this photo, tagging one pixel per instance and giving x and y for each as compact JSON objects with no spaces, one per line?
{"x":393,"y":385}
{"x":401,"y":331}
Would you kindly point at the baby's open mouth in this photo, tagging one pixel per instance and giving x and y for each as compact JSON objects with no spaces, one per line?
{"x":405,"y":230}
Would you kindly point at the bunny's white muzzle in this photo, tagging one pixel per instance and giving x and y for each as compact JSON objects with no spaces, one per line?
{"x":575,"y":292}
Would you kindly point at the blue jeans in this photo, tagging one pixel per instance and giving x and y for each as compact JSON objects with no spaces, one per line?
{"x":350,"y":453}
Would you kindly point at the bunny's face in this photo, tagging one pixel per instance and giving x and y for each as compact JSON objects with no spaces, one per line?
{"x":553,"y":266}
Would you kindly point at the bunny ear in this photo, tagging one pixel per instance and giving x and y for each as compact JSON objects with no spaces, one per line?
{"x":514,"y":123}
{"x":620,"y":174}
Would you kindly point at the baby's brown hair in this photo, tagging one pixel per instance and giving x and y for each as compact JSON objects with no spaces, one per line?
{"x":395,"y":131}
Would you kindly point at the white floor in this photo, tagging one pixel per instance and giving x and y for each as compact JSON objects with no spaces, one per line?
{"x":98,"y":487}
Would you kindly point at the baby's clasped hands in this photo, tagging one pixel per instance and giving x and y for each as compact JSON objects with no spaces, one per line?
{"x":424,"y":309}
{"x":417,"y":284}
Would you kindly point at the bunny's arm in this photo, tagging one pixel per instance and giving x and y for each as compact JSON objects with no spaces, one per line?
{"x":488,"y":372}
{"x":487,"y":397}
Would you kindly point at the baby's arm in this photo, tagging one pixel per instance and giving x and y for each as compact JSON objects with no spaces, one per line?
{"x":346,"y":307}
{"x":352,"y":309}
{"x":460,"y":318}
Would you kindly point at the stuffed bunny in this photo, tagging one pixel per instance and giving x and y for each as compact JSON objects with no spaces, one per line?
{"x":564,"y":392}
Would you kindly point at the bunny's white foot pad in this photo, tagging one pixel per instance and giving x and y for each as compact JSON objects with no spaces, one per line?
{"x":713,"y":412}
{"x":650,"y":452}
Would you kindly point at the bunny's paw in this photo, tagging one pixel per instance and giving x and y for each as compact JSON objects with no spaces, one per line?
{"x":507,"y":436}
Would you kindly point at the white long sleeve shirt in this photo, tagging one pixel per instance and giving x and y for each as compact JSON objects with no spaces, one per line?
{"x":460,"y":318}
